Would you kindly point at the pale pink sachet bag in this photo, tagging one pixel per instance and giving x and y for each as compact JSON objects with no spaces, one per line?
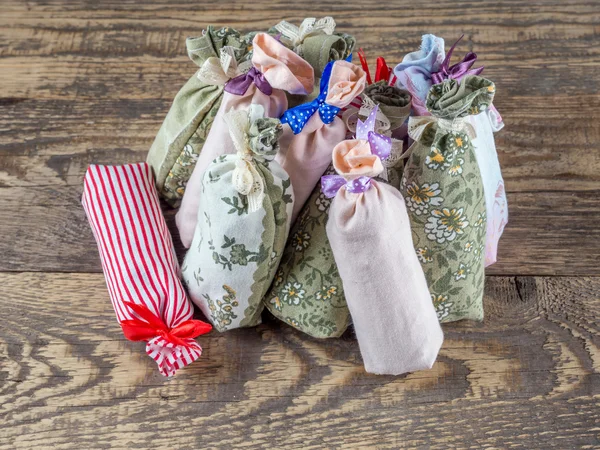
{"x":370,"y":235}
{"x":312,"y":129}
{"x":275,"y":71}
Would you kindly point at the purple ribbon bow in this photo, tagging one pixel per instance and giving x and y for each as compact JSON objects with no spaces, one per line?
{"x":380,"y":145}
{"x":331,"y":184}
{"x":240,"y":84}
{"x":458,"y":70}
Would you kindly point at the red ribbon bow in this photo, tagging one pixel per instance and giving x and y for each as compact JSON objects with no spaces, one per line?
{"x":138,"y":330}
{"x":382,"y":71}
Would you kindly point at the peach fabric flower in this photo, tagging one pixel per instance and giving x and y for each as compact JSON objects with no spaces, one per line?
{"x":347,"y":81}
{"x":353,"y":158}
{"x":282,"y":68}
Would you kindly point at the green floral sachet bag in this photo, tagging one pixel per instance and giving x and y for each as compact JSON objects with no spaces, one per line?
{"x":307,"y":292}
{"x":443,"y":190}
{"x":221,"y":54}
{"x":315,"y":41}
{"x":243,"y":223}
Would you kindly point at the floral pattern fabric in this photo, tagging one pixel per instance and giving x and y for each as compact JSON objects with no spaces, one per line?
{"x":235,"y":251}
{"x":179,"y":141}
{"x":444,"y":195}
{"x":307,"y":291}
{"x":308,"y":269}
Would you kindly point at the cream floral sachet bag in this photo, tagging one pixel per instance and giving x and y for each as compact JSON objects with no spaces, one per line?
{"x":243,"y":222}
{"x":444,"y":194}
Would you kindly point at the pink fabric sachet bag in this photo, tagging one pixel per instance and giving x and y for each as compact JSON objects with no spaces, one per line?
{"x":311,"y":130}
{"x":385,"y":288}
{"x":140,"y":265}
{"x":276,"y":70}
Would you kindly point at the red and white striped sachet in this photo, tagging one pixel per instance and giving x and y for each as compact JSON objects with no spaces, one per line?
{"x":140,"y":265}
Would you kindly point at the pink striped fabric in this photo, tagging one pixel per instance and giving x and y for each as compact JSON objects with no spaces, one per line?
{"x":137,"y":254}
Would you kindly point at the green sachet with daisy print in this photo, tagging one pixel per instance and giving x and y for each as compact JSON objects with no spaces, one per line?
{"x":444,"y":195}
{"x":307,"y":291}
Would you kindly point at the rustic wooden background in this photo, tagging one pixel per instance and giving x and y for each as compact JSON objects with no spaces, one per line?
{"x":89,"y":82}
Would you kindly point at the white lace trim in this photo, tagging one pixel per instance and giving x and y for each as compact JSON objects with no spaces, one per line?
{"x":418,"y":124}
{"x":294,"y":36}
{"x":245,"y":178}
{"x":218,"y":71}
{"x":351,"y":116}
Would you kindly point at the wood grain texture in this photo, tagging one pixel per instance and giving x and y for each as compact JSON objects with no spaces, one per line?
{"x":86,"y":82}
{"x":527,"y":377}
{"x":550,"y":233}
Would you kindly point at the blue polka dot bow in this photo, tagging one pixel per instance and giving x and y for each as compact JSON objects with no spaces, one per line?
{"x":298,"y":117}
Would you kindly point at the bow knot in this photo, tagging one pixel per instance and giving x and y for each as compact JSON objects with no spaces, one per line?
{"x":458,"y":70}
{"x":218,"y":71}
{"x":383,"y":72}
{"x":253,"y":143}
{"x":380,"y":144}
{"x":331,"y":184}
{"x":240,"y":84}
{"x":151,"y":326}
{"x":298,"y":116}
{"x":294,"y":36}
{"x":418,"y":124}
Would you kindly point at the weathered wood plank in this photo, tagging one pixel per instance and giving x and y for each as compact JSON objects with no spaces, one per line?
{"x":552,"y":233}
{"x":58,"y":153}
{"x":87,"y":82}
{"x":526,"y":377}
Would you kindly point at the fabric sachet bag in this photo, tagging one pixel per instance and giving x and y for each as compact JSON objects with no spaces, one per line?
{"x":415,"y":71}
{"x":313,"y":129}
{"x":315,"y":41}
{"x":422,"y":69}
{"x":386,"y":291}
{"x":444,"y":193}
{"x":243,"y":223}
{"x":307,"y":292}
{"x":140,"y":265}
{"x":221,"y":54}
{"x":275,"y":70}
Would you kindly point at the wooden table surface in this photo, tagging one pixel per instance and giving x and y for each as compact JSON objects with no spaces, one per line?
{"x":84,"y":82}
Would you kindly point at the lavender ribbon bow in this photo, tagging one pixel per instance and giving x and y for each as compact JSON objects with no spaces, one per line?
{"x":240,"y":84}
{"x":458,"y":70}
{"x":380,"y":145}
{"x":331,"y":184}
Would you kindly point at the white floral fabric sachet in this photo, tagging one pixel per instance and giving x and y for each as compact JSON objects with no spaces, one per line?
{"x":243,"y":222}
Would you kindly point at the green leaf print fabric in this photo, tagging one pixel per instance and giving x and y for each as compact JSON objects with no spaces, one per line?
{"x":243,"y":224}
{"x":307,"y":292}
{"x":220,"y":54}
{"x":444,"y":195}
